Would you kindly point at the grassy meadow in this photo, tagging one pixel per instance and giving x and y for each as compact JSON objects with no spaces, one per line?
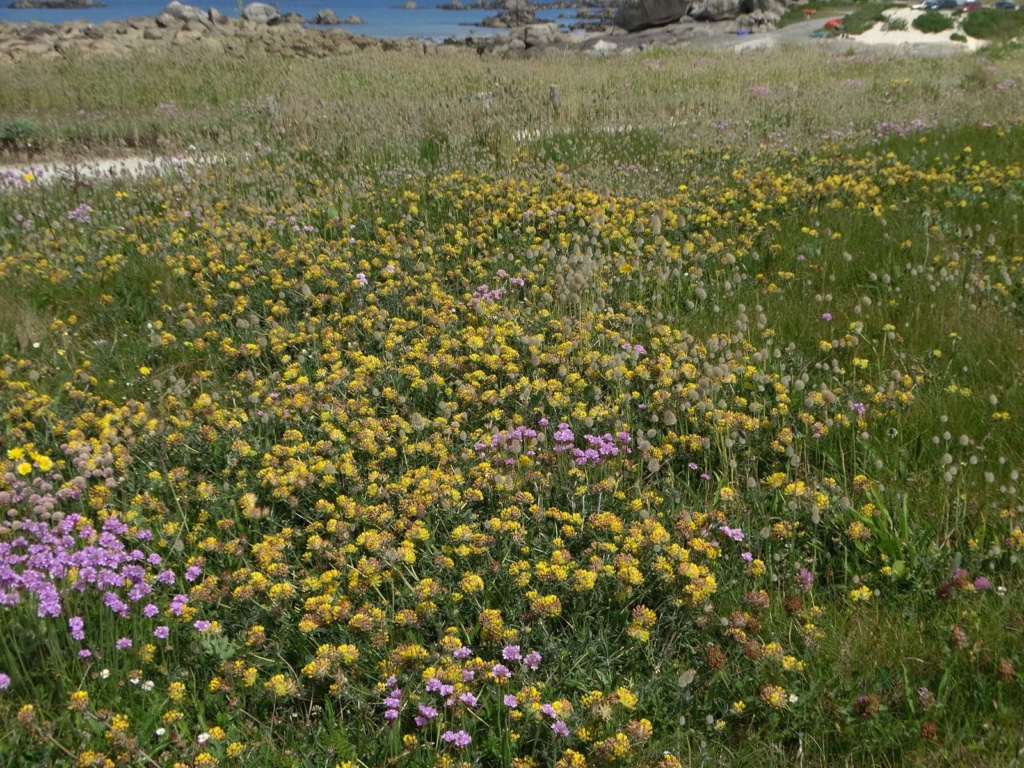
{"x":424,"y":424}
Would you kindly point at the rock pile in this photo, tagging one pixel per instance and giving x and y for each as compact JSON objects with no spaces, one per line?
{"x":638,"y":15}
{"x":179,"y":25}
{"x":528,"y":40}
{"x":640,"y":24}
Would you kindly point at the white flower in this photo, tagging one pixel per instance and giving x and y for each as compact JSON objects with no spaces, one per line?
{"x":203,"y":737}
{"x":147,"y":686}
{"x":104,"y":674}
{"x":161,"y":731}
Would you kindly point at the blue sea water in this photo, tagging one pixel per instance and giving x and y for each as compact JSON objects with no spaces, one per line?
{"x":384,"y":18}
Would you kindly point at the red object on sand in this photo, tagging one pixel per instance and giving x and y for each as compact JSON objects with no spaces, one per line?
{"x":834,"y":24}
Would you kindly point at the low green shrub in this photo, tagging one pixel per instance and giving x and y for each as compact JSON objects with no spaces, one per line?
{"x":864,"y":18}
{"x":18,"y":132}
{"x":933,"y":22}
{"x":994,"y":25}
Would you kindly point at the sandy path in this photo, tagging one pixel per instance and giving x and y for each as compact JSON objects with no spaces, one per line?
{"x":109,"y":169}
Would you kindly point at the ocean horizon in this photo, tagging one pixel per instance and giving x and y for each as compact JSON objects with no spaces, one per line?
{"x":384,"y":18}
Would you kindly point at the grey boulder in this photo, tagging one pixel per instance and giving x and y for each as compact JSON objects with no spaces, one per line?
{"x":183,"y":13}
{"x":636,"y":15}
{"x":326,"y":17}
{"x":260,"y":13}
{"x":541,"y":34}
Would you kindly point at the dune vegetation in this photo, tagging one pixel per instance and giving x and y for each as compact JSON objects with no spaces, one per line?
{"x":678,"y":425}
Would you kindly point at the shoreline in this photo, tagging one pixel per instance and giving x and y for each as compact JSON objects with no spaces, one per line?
{"x":291,"y":37}
{"x":430,"y":20}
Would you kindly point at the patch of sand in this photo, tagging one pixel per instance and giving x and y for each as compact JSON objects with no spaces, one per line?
{"x":879,"y":35}
{"x":109,"y":169}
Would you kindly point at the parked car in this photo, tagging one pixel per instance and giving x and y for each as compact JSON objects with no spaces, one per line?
{"x":971,"y":5}
{"x":937,"y":5}
{"x":1005,"y":5}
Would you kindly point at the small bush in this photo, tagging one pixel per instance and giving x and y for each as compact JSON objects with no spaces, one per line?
{"x":933,"y":22}
{"x":18,"y":132}
{"x":958,"y":37}
{"x":864,"y":18}
{"x":997,"y":26}
{"x":895,"y":25}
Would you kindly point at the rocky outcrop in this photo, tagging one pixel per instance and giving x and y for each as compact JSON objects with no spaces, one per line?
{"x":636,"y":15}
{"x":754,"y":13}
{"x":716,"y":10}
{"x":287,"y":18}
{"x":639,"y":15}
{"x":514,"y":18}
{"x":326,"y":17}
{"x":117,"y":39}
{"x":758,"y":21}
{"x":529,"y":40}
{"x":353,"y":19}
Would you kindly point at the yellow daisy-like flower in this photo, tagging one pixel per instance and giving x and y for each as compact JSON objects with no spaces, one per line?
{"x":24,"y":468}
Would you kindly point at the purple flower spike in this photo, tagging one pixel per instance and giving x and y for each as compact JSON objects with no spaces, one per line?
{"x":804,"y":579}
